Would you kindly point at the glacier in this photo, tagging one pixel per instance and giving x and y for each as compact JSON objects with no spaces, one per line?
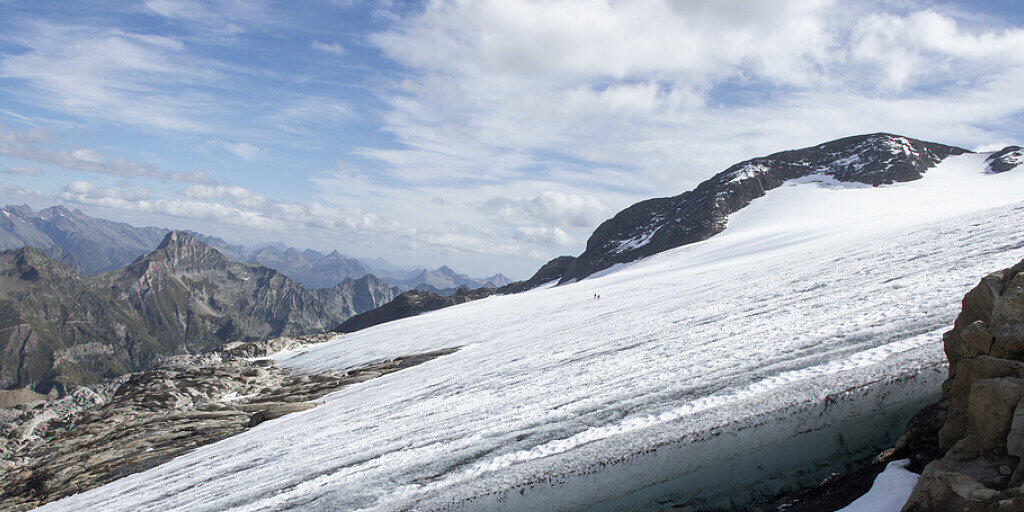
{"x":759,"y":359}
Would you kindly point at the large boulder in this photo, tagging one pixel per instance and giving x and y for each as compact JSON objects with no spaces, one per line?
{"x":982,"y":438}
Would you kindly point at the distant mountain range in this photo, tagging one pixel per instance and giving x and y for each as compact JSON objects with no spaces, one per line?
{"x":59,"y":328}
{"x":313,"y":269}
{"x":443,"y":280}
{"x":87,"y":244}
{"x":91,"y":245}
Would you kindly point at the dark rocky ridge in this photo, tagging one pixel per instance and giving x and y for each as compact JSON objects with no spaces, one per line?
{"x":1005,"y":159}
{"x":550,"y":271}
{"x":411,"y":303}
{"x":656,"y":225}
{"x":59,"y":329}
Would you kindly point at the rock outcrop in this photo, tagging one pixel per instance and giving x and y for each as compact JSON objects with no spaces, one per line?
{"x":411,"y":303}
{"x":1005,"y":159}
{"x":980,"y":438}
{"x":550,"y":271}
{"x":97,"y":434}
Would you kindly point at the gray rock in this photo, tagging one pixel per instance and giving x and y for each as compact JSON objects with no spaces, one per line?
{"x":1005,"y":159}
{"x":1015,"y":438}
{"x":97,"y":434}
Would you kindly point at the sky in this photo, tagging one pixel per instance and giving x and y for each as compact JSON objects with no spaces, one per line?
{"x":488,"y":135}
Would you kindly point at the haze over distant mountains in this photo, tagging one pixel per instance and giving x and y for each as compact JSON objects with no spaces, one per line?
{"x":92,"y":245}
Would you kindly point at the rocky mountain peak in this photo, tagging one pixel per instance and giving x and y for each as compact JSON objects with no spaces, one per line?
{"x":20,"y":210}
{"x":656,"y":225}
{"x":180,"y":250}
{"x":873,"y":159}
{"x":60,"y":211}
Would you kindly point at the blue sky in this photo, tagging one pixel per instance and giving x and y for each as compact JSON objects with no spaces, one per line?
{"x":490,"y":135}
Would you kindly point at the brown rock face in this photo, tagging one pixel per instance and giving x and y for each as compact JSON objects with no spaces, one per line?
{"x":983,"y":434}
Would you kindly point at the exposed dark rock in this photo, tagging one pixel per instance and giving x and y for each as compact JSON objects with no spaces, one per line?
{"x":100,"y":433}
{"x":411,"y":303}
{"x":656,"y":225}
{"x":1005,"y":159}
{"x":551,"y":271}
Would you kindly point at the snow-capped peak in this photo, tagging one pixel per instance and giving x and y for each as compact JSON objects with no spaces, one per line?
{"x":659,"y":224}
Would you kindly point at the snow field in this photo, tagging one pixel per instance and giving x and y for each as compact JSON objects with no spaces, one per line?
{"x":817,"y":299}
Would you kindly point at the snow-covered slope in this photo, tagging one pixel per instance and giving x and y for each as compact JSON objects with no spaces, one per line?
{"x":663,"y":223}
{"x":721,"y":365}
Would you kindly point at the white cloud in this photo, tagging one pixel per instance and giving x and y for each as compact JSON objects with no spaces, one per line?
{"x":909,"y":48}
{"x":331,"y":48}
{"x":30,"y":136}
{"x":572,"y":40}
{"x":550,"y":207}
{"x":552,"y":237}
{"x":138,"y":79}
{"x":204,"y":14}
{"x":239,"y":196}
{"x":26,"y":171}
{"x":308,"y":115}
{"x":86,"y":193}
{"x":243,"y":150}
{"x":456,"y":243}
{"x":21,"y":145}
